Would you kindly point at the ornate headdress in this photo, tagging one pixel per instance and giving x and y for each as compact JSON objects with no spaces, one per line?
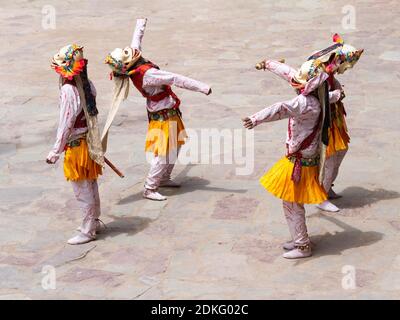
{"x":120,"y":61}
{"x":339,"y":57}
{"x":69,"y":61}
{"x":305,"y":73}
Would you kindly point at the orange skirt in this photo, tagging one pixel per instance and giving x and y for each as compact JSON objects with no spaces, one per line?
{"x":339,"y":138}
{"x":278,"y":181}
{"x":166,"y":135}
{"x":78,"y":165}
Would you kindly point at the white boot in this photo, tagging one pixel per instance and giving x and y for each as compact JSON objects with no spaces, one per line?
{"x":327,"y":206}
{"x":99,"y":226}
{"x":153,"y":195}
{"x":170,"y":184}
{"x":299,"y":252}
{"x":80,"y":239}
{"x":288,"y":245}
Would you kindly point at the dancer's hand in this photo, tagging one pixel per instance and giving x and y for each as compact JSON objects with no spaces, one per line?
{"x":247,"y":123}
{"x":261,"y":65}
{"x":209,"y":92}
{"x":51,"y":159}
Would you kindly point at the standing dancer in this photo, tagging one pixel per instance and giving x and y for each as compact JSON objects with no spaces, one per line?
{"x":79,"y":137}
{"x":336,"y":59}
{"x":166,"y":130}
{"x":294,"y":178}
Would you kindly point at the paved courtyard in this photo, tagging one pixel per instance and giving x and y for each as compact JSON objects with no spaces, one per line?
{"x":220,"y":235}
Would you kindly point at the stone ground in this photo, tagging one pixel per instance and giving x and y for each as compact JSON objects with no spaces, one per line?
{"x":220,"y":235}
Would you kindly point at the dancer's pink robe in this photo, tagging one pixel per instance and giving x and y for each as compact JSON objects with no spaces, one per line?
{"x":86,"y":191}
{"x":303,"y":112}
{"x":153,"y":82}
{"x":333,"y":162}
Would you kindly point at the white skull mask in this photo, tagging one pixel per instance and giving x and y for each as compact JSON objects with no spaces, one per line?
{"x":69,"y":61}
{"x":120,"y":60}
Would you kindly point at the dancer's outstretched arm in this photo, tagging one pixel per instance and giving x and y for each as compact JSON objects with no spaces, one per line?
{"x":138,"y":34}
{"x":155,"y":77}
{"x":277,"y":111}
{"x":290,"y":108}
{"x":281,"y":69}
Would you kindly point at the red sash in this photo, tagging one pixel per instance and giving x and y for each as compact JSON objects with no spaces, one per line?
{"x":296,"y":173}
{"x":80,"y":121}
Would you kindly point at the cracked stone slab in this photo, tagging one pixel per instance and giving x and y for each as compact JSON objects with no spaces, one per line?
{"x":234,"y":207}
{"x":101,"y":277}
{"x":67,"y":254}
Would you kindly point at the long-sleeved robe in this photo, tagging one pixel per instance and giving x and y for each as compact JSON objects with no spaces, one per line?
{"x":304,"y":115}
{"x":70,"y":108}
{"x":303,"y":112}
{"x":86,"y":191}
{"x":154,"y":82}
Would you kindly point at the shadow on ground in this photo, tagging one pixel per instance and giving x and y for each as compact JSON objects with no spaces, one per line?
{"x":128,"y":225}
{"x":336,"y":243}
{"x":358,"y":197}
{"x":131,"y":198}
{"x":189,"y":184}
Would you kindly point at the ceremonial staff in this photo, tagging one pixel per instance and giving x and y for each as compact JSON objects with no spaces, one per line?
{"x":114,"y":168}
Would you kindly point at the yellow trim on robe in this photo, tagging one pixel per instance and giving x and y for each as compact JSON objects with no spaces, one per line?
{"x":166,"y":135}
{"x":78,"y":165}
{"x":278,"y":181}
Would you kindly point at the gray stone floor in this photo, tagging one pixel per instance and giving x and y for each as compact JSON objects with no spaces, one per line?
{"x":219,"y":236}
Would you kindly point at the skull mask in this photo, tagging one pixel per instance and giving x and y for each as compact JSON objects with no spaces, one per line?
{"x":121,"y":60}
{"x":69,"y":61}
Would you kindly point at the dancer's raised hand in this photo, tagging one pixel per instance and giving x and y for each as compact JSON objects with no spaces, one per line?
{"x":247,"y":123}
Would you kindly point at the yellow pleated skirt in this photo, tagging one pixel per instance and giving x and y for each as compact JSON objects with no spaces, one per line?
{"x":307,"y":191}
{"x":78,"y":165}
{"x":166,"y":135}
{"x":339,"y":138}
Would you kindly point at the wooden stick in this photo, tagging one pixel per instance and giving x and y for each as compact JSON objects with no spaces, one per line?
{"x":114,"y":168}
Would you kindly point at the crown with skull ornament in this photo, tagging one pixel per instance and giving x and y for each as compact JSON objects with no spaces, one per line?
{"x":69,"y":61}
